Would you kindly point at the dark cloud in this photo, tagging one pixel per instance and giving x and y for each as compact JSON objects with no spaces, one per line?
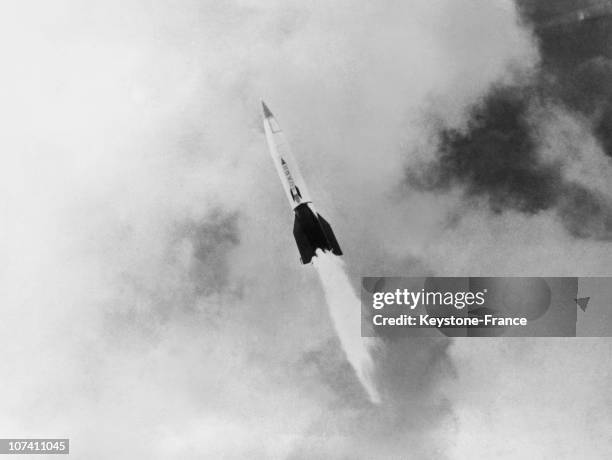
{"x":211,"y":240}
{"x":204,"y":245}
{"x":412,"y":408}
{"x":330,"y":367}
{"x":496,"y":157}
{"x":577,"y":57}
{"x":586,"y":214}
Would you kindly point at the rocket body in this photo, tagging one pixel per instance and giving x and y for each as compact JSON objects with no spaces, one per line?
{"x":310,"y":229}
{"x":291,"y":179}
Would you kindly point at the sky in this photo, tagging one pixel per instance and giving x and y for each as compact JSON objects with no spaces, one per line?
{"x":153,"y":301}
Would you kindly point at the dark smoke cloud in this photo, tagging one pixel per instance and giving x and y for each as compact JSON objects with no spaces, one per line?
{"x":212,"y":239}
{"x":497,"y":156}
{"x":205,"y":277}
{"x":392,"y":429}
{"x":577,"y":56}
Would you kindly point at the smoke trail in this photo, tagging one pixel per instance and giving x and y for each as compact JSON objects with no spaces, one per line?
{"x":345,"y":312}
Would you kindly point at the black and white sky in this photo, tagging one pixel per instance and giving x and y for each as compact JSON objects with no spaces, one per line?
{"x":153,"y":304}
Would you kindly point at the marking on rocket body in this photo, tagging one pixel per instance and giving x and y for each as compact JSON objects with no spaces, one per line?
{"x":295,"y":191}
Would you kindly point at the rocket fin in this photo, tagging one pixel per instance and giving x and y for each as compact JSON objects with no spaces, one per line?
{"x":329,"y":235}
{"x":307,"y":252}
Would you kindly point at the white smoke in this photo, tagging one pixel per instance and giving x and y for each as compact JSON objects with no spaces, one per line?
{"x":345,"y":312}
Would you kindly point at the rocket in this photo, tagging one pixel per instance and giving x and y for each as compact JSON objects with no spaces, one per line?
{"x":310,"y":229}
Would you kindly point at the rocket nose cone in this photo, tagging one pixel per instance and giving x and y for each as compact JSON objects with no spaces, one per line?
{"x":266,"y":110}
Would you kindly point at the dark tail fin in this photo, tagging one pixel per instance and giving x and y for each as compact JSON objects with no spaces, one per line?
{"x":329,"y":235}
{"x":303,"y":243}
{"x":312,"y":232}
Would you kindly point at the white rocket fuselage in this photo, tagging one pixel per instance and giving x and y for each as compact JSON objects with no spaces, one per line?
{"x":286,"y":166}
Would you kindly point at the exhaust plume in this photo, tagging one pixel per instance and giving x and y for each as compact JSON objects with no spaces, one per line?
{"x":345,"y":312}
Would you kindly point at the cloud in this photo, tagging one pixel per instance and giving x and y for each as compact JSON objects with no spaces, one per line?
{"x":499,"y":157}
{"x":514,"y":411}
